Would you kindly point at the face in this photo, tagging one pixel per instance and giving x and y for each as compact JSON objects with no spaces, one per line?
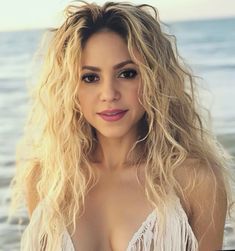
{"x":108,"y":88}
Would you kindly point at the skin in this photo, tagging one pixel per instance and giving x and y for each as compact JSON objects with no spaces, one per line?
{"x":109,"y":90}
{"x":200,"y":201}
{"x":110,"y":87}
{"x":114,"y":85}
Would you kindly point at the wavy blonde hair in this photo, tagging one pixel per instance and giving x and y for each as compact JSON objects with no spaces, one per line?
{"x":58,"y":143}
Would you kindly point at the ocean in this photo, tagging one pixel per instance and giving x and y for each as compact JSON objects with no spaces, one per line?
{"x":207,"y":46}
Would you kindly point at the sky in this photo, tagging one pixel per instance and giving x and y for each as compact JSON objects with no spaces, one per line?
{"x":30,"y":14}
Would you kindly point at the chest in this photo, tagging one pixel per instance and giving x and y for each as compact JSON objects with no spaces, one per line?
{"x":114,"y":210}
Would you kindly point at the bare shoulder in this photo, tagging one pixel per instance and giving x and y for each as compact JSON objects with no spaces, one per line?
{"x":32,"y":197}
{"x":205,"y":191}
{"x":194,"y":176}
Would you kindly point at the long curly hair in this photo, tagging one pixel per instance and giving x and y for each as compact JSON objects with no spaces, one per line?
{"x":58,"y":143}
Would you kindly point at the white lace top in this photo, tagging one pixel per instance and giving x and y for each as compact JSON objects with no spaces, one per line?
{"x":177,"y":237}
{"x":144,"y":233}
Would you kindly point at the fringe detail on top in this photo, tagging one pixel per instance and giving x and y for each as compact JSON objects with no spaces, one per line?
{"x":30,"y":240}
{"x":142,"y":239}
{"x":177,"y":235}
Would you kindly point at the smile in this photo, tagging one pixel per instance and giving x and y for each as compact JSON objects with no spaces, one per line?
{"x":112,"y":115}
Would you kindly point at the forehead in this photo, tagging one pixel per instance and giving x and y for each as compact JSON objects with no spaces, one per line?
{"x":106,"y":47}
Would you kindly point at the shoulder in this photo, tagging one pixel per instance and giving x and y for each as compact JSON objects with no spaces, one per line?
{"x":31,"y":193}
{"x":205,"y":192}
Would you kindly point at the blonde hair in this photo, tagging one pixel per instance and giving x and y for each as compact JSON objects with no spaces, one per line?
{"x":58,"y":143}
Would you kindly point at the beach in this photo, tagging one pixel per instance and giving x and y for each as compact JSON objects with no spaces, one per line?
{"x":207,"y":46}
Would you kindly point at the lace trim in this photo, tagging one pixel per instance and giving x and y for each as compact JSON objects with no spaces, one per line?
{"x":146,"y":225}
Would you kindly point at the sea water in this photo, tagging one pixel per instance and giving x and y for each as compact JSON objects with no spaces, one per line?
{"x":207,"y":46}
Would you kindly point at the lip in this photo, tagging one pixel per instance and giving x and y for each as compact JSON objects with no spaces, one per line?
{"x":112,"y":114}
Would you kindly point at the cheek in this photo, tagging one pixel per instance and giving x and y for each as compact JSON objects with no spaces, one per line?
{"x":85,"y":99}
{"x":135,"y":96}
{"x":85,"y":106}
{"x":87,"y":102}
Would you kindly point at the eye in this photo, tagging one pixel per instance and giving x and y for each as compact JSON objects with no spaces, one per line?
{"x":131,"y":73}
{"x":90,"y":78}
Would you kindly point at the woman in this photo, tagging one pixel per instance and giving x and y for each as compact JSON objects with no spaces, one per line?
{"x":115,"y":155}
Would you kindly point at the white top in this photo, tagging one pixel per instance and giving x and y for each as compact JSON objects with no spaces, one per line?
{"x":178,"y":235}
{"x":144,"y":232}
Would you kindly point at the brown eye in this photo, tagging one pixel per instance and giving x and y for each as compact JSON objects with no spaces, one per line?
{"x":128,"y":74}
{"x":90,"y":78}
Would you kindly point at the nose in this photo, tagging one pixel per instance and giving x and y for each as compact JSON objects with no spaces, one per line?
{"x":109,"y":91}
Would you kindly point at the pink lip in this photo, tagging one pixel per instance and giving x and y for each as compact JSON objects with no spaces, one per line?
{"x":112,"y":115}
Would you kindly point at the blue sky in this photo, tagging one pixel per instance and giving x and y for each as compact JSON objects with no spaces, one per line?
{"x":29,"y":14}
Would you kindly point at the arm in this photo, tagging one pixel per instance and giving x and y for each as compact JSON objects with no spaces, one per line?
{"x":32,"y":197}
{"x":202,"y":199}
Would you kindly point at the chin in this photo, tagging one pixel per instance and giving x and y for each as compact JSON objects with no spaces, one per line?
{"x":112,"y":133}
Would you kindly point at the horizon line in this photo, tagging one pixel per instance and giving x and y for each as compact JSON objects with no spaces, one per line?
{"x":162,"y":21}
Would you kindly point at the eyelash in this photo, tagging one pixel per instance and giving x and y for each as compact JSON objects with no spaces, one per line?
{"x":128,"y":71}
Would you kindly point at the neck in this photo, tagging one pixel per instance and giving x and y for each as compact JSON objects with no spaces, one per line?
{"x":115,"y":154}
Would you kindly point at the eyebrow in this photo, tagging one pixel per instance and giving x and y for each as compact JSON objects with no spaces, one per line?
{"x":117,"y":66}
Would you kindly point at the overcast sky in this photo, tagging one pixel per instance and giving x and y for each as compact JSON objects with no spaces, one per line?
{"x":29,"y":14}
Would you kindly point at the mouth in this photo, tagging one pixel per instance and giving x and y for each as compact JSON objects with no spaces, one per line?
{"x":112,"y":115}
